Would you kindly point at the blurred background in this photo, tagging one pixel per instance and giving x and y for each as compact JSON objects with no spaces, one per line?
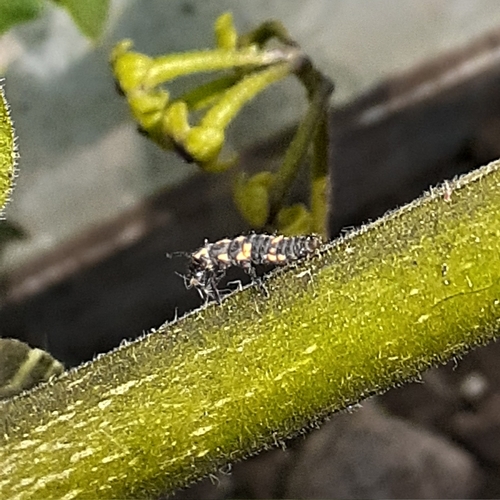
{"x":97,"y":206}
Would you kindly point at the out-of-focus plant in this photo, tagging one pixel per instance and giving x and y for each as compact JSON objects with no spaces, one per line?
{"x":249,"y":66}
{"x":8,"y":152}
{"x":89,"y":15}
{"x":22,"y":367}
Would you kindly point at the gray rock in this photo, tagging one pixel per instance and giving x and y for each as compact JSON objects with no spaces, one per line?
{"x":371,"y":455}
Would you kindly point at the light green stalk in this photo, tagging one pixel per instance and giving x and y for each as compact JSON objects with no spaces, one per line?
{"x":312,"y":128}
{"x":166,"y":68}
{"x":416,"y":288}
{"x":321,"y":192}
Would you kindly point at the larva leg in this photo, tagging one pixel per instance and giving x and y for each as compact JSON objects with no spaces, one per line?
{"x":257,"y":279}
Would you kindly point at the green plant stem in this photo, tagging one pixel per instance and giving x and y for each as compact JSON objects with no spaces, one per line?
{"x":321,"y":198}
{"x":373,"y":310}
{"x":208,"y":93}
{"x":265,"y":32}
{"x":166,"y":68}
{"x":235,"y":97}
{"x":319,"y":89}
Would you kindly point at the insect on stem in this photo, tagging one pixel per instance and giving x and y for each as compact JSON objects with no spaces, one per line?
{"x":209,"y":263}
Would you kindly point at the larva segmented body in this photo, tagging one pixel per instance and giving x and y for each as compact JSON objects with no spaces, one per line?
{"x":208,"y":263}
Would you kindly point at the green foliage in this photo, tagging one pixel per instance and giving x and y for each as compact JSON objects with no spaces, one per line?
{"x":373,"y":310}
{"x":250,"y":67}
{"x":89,"y":15}
{"x":139,"y":76}
{"x":18,"y":11}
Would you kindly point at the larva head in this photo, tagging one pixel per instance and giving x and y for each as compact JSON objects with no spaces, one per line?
{"x":200,"y":269}
{"x":201,"y":278}
{"x":306,"y":246}
{"x":314,"y":242}
{"x":196,"y":278}
{"x":198,"y":273}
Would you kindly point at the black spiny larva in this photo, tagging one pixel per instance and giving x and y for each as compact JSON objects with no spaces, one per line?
{"x":209,"y":263}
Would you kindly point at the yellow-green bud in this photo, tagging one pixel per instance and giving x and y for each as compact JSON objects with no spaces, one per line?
{"x":204,"y":143}
{"x":175,"y":122}
{"x":225,"y":33}
{"x":129,"y":68}
{"x":252,"y":197}
{"x":294,"y":220}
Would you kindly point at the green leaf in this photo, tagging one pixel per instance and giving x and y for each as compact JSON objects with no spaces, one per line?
{"x":89,"y":15}
{"x":13,"y":12}
{"x":8,"y":152}
{"x":22,"y":367}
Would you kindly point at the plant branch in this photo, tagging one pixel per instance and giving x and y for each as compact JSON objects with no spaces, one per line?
{"x":373,"y":310}
{"x":321,"y":198}
{"x":319,"y":89}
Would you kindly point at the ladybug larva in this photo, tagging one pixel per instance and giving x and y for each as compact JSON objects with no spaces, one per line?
{"x":209,"y":263}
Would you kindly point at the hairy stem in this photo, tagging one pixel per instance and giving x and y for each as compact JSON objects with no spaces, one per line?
{"x":374,"y":309}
